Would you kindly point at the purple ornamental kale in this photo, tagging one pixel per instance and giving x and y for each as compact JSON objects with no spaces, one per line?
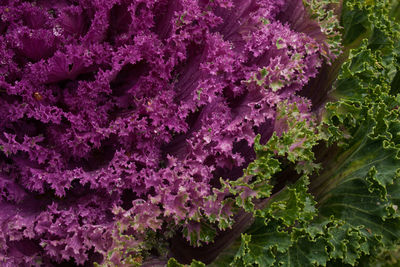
{"x":135,"y":107}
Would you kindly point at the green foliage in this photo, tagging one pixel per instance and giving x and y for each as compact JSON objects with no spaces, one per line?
{"x":294,"y":144}
{"x":348,"y":213}
{"x":204,"y":232}
{"x":174,"y":263}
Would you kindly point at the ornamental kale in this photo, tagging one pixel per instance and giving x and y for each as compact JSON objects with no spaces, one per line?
{"x":154,"y":132}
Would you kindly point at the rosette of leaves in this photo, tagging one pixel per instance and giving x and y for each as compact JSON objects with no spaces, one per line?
{"x":146,"y":133}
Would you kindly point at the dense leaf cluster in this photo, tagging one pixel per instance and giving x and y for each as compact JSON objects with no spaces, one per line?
{"x":221,"y":132}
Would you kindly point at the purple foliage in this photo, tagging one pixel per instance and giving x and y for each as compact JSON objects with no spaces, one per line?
{"x":139,"y":105}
